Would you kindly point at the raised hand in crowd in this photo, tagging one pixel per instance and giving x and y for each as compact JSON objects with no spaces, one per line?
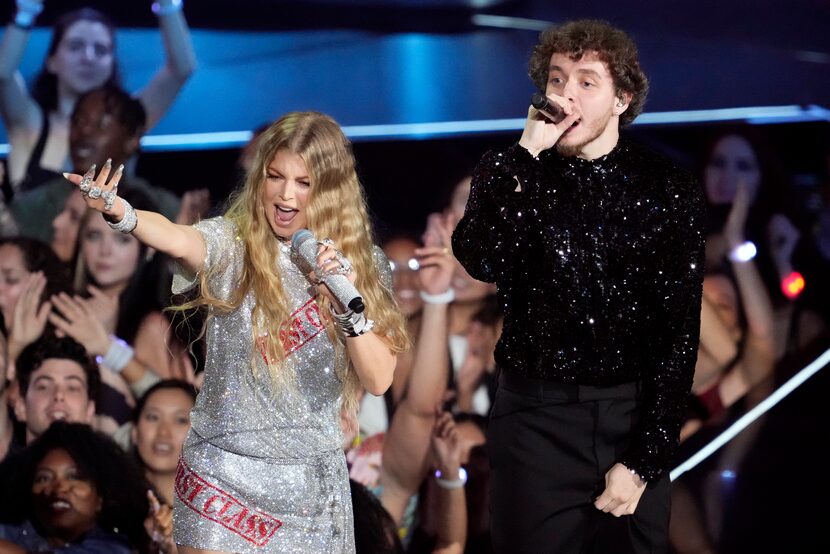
{"x":475,"y":365}
{"x":435,"y":261}
{"x":406,"y":449}
{"x":719,"y":245}
{"x":451,"y":503}
{"x":103,"y":306}
{"x":366,"y":460}
{"x":783,"y":237}
{"x":758,"y":356}
{"x":731,"y":360}
{"x":445,"y":445}
{"x":75,"y":318}
{"x":159,"y":525}
{"x":30,"y":315}
{"x":734,"y":230}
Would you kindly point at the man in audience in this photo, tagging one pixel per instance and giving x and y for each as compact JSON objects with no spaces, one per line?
{"x":107,"y":124}
{"x":57,"y":380}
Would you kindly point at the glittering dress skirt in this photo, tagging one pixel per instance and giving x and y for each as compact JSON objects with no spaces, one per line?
{"x":263,"y":469}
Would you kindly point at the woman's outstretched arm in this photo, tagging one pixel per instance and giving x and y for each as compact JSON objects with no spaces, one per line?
{"x":181,"y":242}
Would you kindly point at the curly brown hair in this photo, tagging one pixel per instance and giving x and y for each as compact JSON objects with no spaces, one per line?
{"x":614,"y":47}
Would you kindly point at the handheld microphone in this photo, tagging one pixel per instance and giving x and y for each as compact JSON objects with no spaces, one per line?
{"x":553,"y":110}
{"x":304,"y":244}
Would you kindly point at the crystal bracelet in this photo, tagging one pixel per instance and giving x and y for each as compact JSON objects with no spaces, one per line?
{"x":128,"y":222}
{"x":352,"y":324}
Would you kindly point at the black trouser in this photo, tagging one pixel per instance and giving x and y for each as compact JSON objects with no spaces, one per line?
{"x":550,"y":446}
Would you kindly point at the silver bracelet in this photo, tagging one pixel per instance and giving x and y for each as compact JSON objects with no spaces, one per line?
{"x":172,"y":7}
{"x":352,"y":324}
{"x":118,"y":355}
{"x":128,"y":222}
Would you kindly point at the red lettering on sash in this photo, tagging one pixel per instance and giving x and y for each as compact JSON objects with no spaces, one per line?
{"x":263,"y":529}
{"x":206,"y":509}
{"x":203,"y":498}
{"x":305,"y":323}
{"x":196,"y":490}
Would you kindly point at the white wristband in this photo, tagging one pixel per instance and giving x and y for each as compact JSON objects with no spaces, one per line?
{"x":744,"y":252}
{"x":118,"y":355}
{"x":172,"y":7}
{"x":26,"y":14}
{"x":443,"y":298}
{"x":451,"y":484}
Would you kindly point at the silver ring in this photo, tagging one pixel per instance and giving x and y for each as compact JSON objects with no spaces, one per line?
{"x":345,"y":265}
{"x":95,"y":192}
{"x":109,"y":199}
{"x":326,"y":242}
{"x":84,"y":186}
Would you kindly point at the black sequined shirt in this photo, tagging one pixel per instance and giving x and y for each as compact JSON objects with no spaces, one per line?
{"x":599,"y":267}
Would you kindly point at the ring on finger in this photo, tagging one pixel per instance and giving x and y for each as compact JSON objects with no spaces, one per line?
{"x":95,"y":192}
{"x":326,"y":242}
{"x":84,"y":185}
{"x":345,"y":265}
{"x":109,"y":199}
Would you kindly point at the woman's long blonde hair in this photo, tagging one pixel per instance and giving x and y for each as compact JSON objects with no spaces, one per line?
{"x":336,"y":209}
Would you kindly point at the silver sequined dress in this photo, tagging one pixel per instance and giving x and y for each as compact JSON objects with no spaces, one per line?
{"x":263,"y":470}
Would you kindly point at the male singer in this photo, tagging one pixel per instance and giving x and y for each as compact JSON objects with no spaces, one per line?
{"x":596,"y":246}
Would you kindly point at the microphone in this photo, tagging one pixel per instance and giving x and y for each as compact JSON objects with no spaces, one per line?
{"x":305,"y":245}
{"x":553,"y":110}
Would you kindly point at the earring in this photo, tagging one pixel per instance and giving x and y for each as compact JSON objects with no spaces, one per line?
{"x":620,"y":104}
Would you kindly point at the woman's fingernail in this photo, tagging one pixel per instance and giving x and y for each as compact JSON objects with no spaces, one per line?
{"x":66,"y":176}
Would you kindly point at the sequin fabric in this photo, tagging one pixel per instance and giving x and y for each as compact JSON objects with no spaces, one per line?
{"x":263,"y":469}
{"x":599,"y":267}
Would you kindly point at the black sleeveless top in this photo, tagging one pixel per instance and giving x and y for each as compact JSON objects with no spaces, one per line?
{"x":35,"y":174}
